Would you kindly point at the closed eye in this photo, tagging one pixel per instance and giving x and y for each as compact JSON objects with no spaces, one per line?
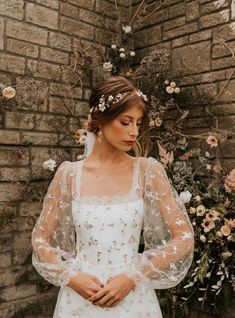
{"x":124,"y":123}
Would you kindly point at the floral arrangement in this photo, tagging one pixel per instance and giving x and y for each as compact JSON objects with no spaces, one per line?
{"x":211,"y":207}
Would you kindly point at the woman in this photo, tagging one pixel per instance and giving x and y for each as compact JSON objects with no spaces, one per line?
{"x":86,"y":239}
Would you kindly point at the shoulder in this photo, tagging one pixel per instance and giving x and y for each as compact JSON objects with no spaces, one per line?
{"x":66,"y":168}
{"x":150,"y":163}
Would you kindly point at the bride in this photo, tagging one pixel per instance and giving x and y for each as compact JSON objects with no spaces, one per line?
{"x":86,"y":239}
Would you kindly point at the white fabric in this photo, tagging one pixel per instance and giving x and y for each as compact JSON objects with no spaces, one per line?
{"x":90,"y":140}
{"x":108,"y":231}
{"x":108,"y":239}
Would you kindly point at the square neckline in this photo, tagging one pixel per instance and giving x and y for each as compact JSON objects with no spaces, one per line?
{"x":113,"y":198}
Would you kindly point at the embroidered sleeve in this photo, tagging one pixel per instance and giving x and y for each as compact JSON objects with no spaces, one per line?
{"x":168,"y":233}
{"x":53,"y":237}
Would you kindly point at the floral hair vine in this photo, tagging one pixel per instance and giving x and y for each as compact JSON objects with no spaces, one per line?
{"x":111,"y":100}
{"x":141,"y":94}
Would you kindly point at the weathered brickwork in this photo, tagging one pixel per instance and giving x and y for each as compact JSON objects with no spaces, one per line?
{"x":36,"y":44}
{"x":36,"y":47}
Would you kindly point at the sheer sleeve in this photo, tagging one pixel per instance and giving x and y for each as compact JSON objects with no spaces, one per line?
{"x":168,"y":233}
{"x":53,"y":237}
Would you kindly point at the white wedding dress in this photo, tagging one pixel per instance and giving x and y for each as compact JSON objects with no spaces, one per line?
{"x":108,"y":238}
{"x":100,"y":235}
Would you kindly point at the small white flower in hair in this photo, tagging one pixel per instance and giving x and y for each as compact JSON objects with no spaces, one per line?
{"x":139,"y":93}
{"x":101,"y":104}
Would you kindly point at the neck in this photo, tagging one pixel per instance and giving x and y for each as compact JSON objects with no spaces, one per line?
{"x":105,"y":153}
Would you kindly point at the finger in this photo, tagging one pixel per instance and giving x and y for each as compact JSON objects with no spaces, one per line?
{"x":110,"y":302}
{"x":115,"y":303}
{"x":98,"y":295}
{"x":98,"y":282}
{"x":103,"y":300}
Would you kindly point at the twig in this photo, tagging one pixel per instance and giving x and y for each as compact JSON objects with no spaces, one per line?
{"x":136,"y":12}
{"x":151,"y":13}
{"x":233,"y":57}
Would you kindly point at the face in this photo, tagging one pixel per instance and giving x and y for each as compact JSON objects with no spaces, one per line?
{"x":122,"y":132}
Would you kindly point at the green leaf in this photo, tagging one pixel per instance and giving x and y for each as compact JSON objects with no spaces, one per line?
{"x":203,"y":267}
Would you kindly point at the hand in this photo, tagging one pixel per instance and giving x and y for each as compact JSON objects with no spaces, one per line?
{"x":114,"y":291}
{"x":85,"y":285}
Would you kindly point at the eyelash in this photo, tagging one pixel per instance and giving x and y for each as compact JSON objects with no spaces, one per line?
{"x":126,"y":124}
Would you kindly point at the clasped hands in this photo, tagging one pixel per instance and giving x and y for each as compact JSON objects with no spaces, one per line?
{"x":109,"y":295}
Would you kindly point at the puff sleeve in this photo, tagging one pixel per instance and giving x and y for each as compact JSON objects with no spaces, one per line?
{"x":53,"y":237}
{"x":168,"y":233}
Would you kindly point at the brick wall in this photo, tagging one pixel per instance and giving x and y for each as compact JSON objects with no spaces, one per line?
{"x":37,"y":38}
{"x":190,"y":30}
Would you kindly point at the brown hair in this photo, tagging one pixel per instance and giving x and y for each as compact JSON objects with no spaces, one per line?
{"x":112,"y":86}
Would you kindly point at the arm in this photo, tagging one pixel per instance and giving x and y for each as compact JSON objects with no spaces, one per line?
{"x":53,"y":237}
{"x":168,"y":234}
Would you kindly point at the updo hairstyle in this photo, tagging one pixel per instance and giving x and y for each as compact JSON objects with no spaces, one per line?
{"x":112,"y":86}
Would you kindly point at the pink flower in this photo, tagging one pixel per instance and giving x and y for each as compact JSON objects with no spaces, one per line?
{"x":230,"y":222}
{"x":170,"y":90}
{"x":225,"y":230}
{"x":8,"y":92}
{"x":212,"y":140}
{"x":229,"y":184}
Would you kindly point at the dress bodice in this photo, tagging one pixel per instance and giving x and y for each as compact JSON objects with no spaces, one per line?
{"x":108,"y":234}
{"x":108,"y":227}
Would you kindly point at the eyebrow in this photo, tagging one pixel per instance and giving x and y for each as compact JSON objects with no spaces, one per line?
{"x":130,"y":117}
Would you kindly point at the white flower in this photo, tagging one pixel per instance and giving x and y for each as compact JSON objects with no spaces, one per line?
{"x":121,"y":49}
{"x":185,"y":196}
{"x":200,"y":299}
{"x":170,"y":90}
{"x":177,"y":90}
{"x":132,"y":53}
{"x":208,"y":167}
{"x":207,"y":225}
{"x":200,"y":210}
{"x":49,"y":165}
{"x":212,"y":215}
{"x":107,"y":66}
{"x":219,"y":234}
{"x":203,"y":238}
{"x":172,"y":84}
{"x":8,"y":92}
{"x":207,"y":154}
{"x":113,"y":46}
{"x":166,"y":82}
{"x":126,"y":28}
{"x":122,"y":55}
{"x":197,"y":198}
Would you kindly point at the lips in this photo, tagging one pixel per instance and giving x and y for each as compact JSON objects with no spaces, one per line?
{"x":129,"y":142}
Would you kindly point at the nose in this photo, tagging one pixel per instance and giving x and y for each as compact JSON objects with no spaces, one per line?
{"x":134,"y":132}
